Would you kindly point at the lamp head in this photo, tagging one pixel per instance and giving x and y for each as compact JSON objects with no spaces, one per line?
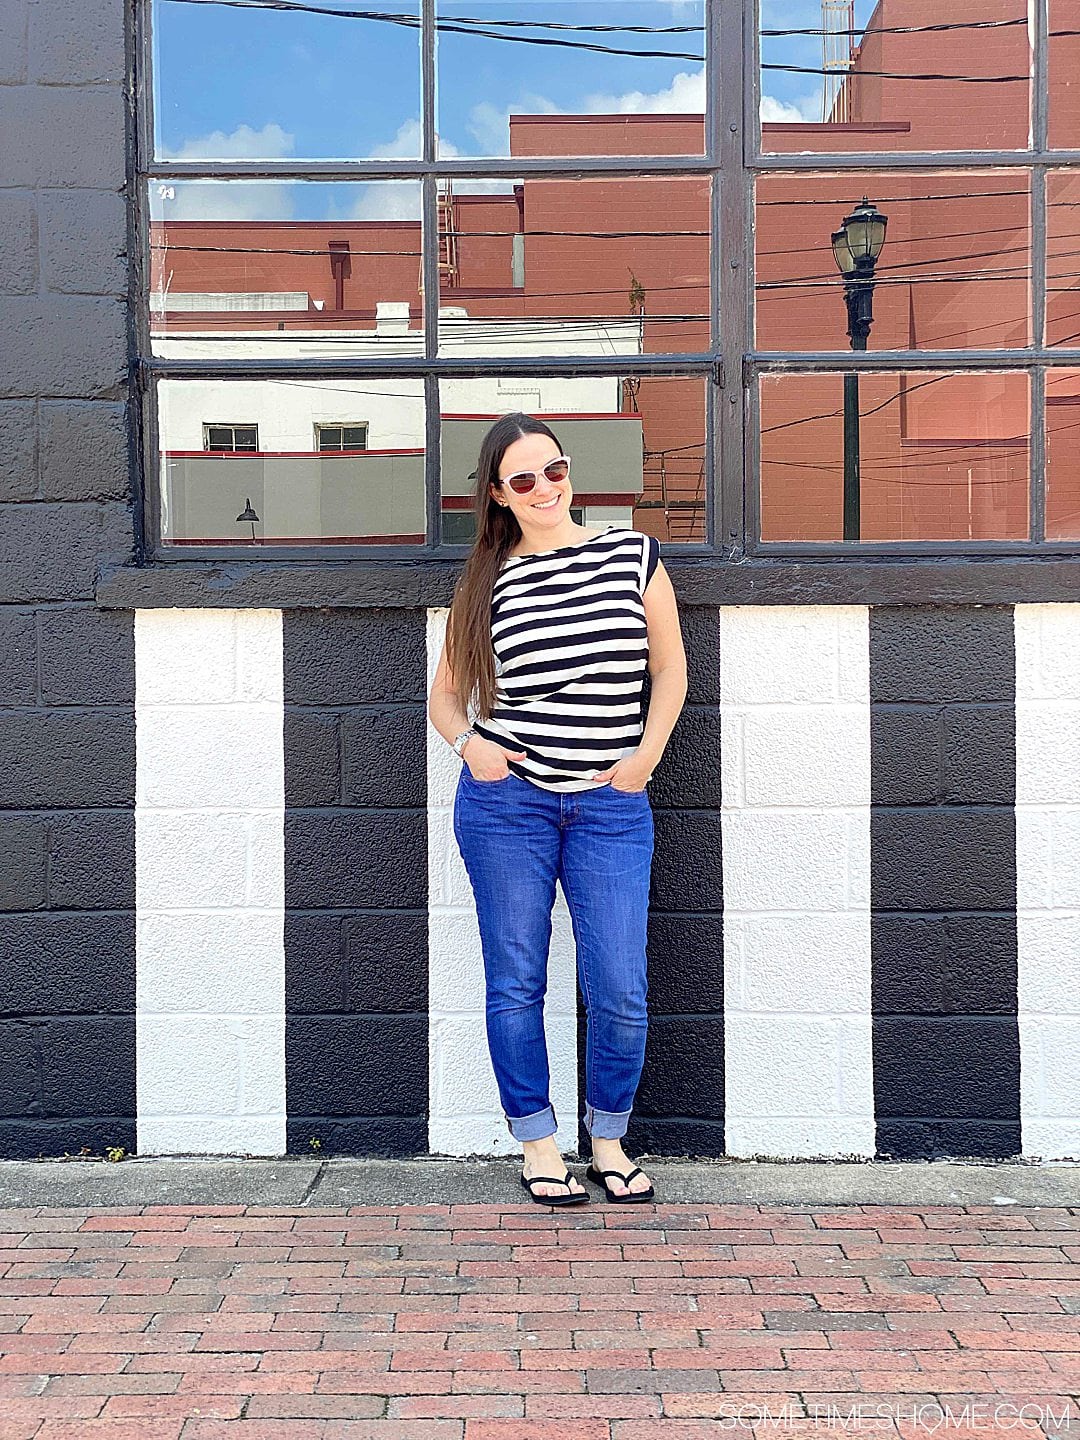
{"x":857,"y":244}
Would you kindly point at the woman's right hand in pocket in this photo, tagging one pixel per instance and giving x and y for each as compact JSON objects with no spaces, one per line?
{"x":486,"y":760}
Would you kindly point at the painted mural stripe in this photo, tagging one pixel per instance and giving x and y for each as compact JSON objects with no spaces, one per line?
{"x":946,"y":1057}
{"x":796,"y":838}
{"x":679,"y":1108}
{"x":355,"y":881}
{"x":210,"y":964}
{"x":1048,"y":877}
{"x":465,"y":1114}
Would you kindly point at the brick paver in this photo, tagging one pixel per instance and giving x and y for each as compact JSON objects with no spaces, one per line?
{"x":488,"y":1322}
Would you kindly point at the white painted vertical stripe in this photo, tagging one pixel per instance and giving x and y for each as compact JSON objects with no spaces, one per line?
{"x":210,"y":882}
{"x":466,"y":1117}
{"x":795,"y":743}
{"x":1048,"y":877}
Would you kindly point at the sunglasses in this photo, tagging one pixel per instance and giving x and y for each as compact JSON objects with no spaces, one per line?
{"x":525,"y":480}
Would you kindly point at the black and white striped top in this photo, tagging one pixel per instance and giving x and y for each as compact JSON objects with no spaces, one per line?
{"x":571,"y":649}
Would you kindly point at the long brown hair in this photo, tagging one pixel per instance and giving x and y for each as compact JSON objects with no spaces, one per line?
{"x":468,"y":633}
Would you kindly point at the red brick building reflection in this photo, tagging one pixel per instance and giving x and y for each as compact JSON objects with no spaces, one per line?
{"x":943,"y":456}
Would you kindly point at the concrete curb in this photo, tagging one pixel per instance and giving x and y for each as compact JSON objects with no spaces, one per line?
{"x":338,"y":1183}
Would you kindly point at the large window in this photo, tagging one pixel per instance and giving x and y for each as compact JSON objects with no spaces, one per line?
{"x":786,"y":278}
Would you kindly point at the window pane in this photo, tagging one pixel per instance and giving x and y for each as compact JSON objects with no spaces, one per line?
{"x":952,"y":271}
{"x":599,"y":77}
{"x":310,"y":268}
{"x":1063,"y":257}
{"x":1063,"y":455}
{"x":265,"y":83}
{"x":637,"y":446}
{"x":574,"y":266}
{"x":287,"y":492}
{"x":901,"y":75}
{"x":1064,"y":104}
{"x":932,"y":456}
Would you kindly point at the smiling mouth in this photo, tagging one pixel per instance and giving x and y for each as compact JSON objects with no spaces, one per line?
{"x":548,"y":504}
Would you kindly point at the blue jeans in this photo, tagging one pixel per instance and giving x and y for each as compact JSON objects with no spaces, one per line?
{"x":516,"y":840}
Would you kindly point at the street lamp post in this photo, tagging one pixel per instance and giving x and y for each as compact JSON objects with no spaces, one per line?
{"x":856,"y":247}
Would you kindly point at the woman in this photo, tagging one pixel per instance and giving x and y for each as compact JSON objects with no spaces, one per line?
{"x":538,"y":690}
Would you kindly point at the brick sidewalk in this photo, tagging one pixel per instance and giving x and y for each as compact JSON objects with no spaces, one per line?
{"x":505,"y":1322}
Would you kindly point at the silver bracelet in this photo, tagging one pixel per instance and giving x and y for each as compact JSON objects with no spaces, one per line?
{"x":461,"y":741}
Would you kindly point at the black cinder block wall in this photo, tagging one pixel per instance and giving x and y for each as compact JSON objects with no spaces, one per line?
{"x":67,"y":730}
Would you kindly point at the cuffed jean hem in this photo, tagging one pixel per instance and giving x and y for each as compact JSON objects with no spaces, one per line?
{"x":606,"y":1124}
{"x":533,"y":1127}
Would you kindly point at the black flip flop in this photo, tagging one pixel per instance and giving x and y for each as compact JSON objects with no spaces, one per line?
{"x":632,"y":1197}
{"x":570,"y":1198}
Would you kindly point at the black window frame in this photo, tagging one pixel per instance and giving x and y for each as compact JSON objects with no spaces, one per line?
{"x":733,"y":161}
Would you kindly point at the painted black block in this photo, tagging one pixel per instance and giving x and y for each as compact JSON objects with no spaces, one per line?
{"x":979,"y":755}
{"x":57,"y":758}
{"x":23,"y":847}
{"x":18,"y":657}
{"x":83,"y":450}
{"x":87,"y":657}
{"x":688,"y":774}
{"x":940,"y":654}
{"x":391,"y":1136}
{"x":386,"y":962}
{"x":61,"y":344}
{"x":90,"y":53}
{"x":315,"y":975}
{"x":958,"y":1067}
{"x":385,"y":756}
{"x":88,"y":1065}
{"x":674,"y":1137}
{"x":18,"y":447}
{"x":687,"y":861}
{"x":20,"y":1082}
{"x":943,"y":859}
{"x":686,"y":964}
{"x":701,"y":641}
{"x":948,"y":1139}
{"x":40,"y":124}
{"x":684,"y":1068}
{"x":92,"y":860}
{"x":357,"y":1065}
{"x":14,"y":25}
{"x":905,"y":743}
{"x":355,"y":859}
{"x":67,"y":964}
{"x":312,"y":757}
{"x":355,"y":657}
{"x":947,"y":964}
{"x":83,"y":241}
{"x":47,"y":1139}
{"x":48,"y":552}
{"x":18,"y":243}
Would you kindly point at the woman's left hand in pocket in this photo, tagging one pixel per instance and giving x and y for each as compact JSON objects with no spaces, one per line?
{"x":629,"y":773}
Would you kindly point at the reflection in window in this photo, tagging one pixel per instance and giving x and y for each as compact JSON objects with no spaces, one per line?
{"x":1064,"y":65}
{"x":286,"y":489}
{"x":296,"y":69}
{"x":1063,"y":455}
{"x":226,"y":438}
{"x":331,"y":438}
{"x":900,"y":75}
{"x":324,"y":268}
{"x":638,"y":445}
{"x":603,"y":77}
{"x":1063,"y":257}
{"x":575,"y":266}
{"x":953,"y":270}
{"x":915,"y":456}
